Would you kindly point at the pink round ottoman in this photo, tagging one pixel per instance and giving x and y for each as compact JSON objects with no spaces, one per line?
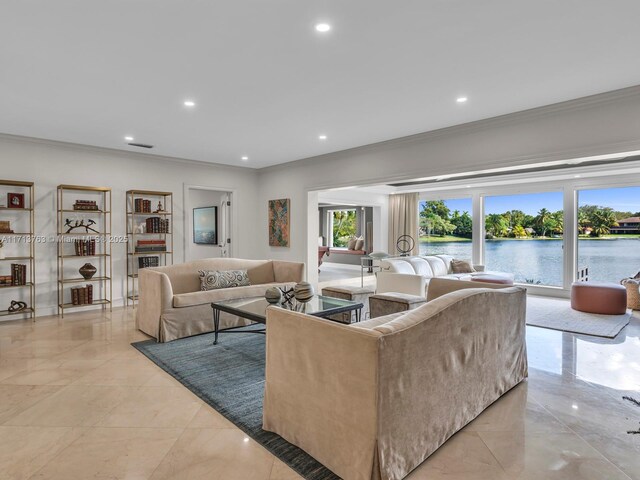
{"x":488,"y":278}
{"x":596,"y":297}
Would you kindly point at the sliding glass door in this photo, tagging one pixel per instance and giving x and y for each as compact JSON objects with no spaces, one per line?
{"x":609,"y":233}
{"x":524,"y":235}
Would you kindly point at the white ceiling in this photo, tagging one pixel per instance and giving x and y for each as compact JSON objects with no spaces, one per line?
{"x":267,"y":84}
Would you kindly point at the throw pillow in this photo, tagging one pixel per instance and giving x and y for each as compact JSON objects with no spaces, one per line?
{"x":351,"y":244}
{"x":215,"y":279}
{"x":359,"y":244}
{"x":461,"y":266}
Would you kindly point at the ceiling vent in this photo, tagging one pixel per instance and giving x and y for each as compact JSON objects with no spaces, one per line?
{"x":140,"y":145}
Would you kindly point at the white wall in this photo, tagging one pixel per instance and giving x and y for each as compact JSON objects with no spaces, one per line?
{"x":196,"y":198}
{"x":49,"y":164}
{"x":597,"y":125}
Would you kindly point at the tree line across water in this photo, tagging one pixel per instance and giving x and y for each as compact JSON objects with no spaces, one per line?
{"x":436,"y":219}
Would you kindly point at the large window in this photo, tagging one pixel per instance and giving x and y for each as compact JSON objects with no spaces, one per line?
{"x":524,"y":236}
{"x":343,"y":226}
{"x":446,"y":227}
{"x":609,"y":233}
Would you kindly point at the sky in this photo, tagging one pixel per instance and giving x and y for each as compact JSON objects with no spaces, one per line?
{"x":620,"y":199}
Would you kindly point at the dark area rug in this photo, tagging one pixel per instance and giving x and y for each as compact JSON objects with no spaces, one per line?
{"x":230,"y":377}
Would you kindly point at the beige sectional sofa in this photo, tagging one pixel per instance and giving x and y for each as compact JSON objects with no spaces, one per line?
{"x":373,"y":400}
{"x":172,"y":305}
{"x":411,"y":275}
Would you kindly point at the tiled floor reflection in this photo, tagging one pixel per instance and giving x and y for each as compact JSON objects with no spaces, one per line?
{"x":78,"y":402}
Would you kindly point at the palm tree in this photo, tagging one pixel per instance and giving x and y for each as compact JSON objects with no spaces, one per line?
{"x":542,"y":220}
{"x":602,"y":220}
{"x":496,"y":225}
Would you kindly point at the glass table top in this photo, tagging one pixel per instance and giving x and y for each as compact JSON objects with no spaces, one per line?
{"x":318,"y":305}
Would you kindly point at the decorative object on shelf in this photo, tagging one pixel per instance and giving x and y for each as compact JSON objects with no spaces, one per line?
{"x":273,"y":295}
{"x":205,"y":225}
{"x":80,"y":224}
{"x":287,"y":295}
{"x":87,"y":271}
{"x":279,"y":222}
{"x":141,"y":228}
{"x":303,"y":292}
{"x":5,"y":226}
{"x":82,"y":295}
{"x":17,"y":306}
{"x":405,"y":244}
{"x":90,"y":205}
{"x":15,"y":200}
{"x":160,"y":208}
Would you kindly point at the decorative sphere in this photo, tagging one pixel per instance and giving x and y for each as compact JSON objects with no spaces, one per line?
{"x":273,"y":295}
{"x":303,"y":292}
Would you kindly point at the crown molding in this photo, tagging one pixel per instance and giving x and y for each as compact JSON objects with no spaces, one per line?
{"x":114,"y":152}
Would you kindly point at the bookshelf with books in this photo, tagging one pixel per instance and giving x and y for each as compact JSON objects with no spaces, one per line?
{"x":84,"y":240}
{"x":17,"y":250}
{"x":149,"y":217}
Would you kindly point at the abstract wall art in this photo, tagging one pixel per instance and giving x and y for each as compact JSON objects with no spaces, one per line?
{"x":279,"y":222}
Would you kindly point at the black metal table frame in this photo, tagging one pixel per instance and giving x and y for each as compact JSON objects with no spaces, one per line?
{"x":259,"y":319}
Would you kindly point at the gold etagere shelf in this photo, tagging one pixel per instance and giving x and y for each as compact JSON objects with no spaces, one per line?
{"x":69,"y":230}
{"x":142,"y":243}
{"x":20,"y":202}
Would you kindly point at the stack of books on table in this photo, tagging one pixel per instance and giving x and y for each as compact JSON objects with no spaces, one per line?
{"x":142,"y":206}
{"x":151,"y":246}
{"x":18,"y":274}
{"x":82,"y":295}
{"x":151,"y":261}
{"x":85,"y":247}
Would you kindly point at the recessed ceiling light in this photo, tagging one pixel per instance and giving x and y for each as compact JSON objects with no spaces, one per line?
{"x":461,"y":99}
{"x":323,"y":27}
{"x":322,"y":137}
{"x":245,"y":158}
{"x":574,"y":406}
{"x":246,"y":439}
{"x":189,"y":103}
{"x":128,"y":138}
{"x":576,"y":176}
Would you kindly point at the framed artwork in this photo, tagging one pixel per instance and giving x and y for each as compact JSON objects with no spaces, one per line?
{"x":279,"y":222}
{"x":205,"y":225}
{"x":15,"y":200}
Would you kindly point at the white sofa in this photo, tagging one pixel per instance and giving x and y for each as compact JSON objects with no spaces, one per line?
{"x":411,"y":275}
{"x":372,"y":400}
{"x":172,"y":304}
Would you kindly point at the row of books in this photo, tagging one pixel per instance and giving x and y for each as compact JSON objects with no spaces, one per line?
{"x":157,"y":225}
{"x":141,"y":205}
{"x":82,"y":295}
{"x":151,"y":246}
{"x":18,"y":276}
{"x":85,"y":205}
{"x":151,"y":261}
{"x":85,"y":247}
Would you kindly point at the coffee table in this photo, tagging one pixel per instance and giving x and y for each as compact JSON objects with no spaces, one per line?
{"x":255,"y":309}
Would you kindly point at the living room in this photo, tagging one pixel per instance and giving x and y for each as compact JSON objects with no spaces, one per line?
{"x":131,"y":385}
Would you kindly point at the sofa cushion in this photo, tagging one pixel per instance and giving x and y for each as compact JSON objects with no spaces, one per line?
{"x":421,"y":266}
{"x":216,"y":279}
{"x":203,"y":297}
{"x":438,"y":266}
{"x":461,"y":266}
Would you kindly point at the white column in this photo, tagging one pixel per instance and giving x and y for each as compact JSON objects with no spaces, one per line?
{"x":570,"y":235}
{"x":478,"y":229}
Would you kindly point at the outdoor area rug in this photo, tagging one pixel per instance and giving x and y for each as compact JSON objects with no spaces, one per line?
{"x":557,"y":314}
{"x":230,"y":377}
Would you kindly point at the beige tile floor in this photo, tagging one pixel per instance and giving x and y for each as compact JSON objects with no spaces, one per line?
{"x":78,"y":402}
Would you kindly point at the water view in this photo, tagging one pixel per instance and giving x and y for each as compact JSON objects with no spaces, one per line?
{"x":541,"y":260}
